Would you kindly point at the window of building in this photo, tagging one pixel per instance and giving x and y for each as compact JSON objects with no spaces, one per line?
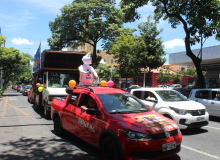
{"x":112,"y":61}
{"x":104,"y":60}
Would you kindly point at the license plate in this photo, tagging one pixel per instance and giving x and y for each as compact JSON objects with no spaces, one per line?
{"x":200,"y":118}
{"x":168,"y":146}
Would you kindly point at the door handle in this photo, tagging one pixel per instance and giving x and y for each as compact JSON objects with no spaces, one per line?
{"x":74,"y":114}
{"x":212,"y":103}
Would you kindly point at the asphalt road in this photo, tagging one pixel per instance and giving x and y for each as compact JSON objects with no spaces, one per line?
{"x":26,"y":135}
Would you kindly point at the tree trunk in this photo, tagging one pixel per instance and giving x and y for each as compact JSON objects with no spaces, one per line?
{"x":197,"y":61}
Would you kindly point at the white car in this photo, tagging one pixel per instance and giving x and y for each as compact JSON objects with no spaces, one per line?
{"x":206,"y":97}
{"x":172,"y":104}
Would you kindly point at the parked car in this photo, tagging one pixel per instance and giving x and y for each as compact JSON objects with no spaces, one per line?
{"x":207,"y":98}
{"x":18,"y":88}
{"x":116,"y":122}
{"x":132,"y":87}
{"x":26,"y":89}
{"x":172,"y":104}
{"x":21,"y":88}
{"x":30,"y":97}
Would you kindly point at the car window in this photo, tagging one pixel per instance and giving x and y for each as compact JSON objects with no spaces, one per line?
{"x":214,"y":95}
{"x":84,"y":101}
{"x":137,"y":94}
{"x":74,"y":98}
{"x":122,"y":103}
{"x":148,"y":93}
{"x":171,"y":95}
{"x":202,"y":94}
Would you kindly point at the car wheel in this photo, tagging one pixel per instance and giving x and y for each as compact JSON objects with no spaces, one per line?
{"x":46,"y":113}
{"x":168,"y":116}
{"x":110,"y":149}
{"x":28,"y":100}
{"x":58,"y":129}
{"x":37,"y":107}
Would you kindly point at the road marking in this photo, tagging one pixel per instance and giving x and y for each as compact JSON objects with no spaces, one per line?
{"x":27,"y":115}
{"x":4,"y":108}
{"x":212,"y":127}
{"x":195,"y":150}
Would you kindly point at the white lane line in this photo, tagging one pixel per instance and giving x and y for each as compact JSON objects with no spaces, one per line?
{"x":212,"y":127}
{"x":195,"y":150}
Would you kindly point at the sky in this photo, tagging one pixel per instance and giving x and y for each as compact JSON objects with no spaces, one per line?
{"x":26,"y":24}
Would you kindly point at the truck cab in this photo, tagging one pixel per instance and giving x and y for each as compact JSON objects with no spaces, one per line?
{"x":57,"y":68}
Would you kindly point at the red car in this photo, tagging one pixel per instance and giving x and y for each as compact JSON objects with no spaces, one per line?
{"x":29,"y":93}
{"x":118,"y":123}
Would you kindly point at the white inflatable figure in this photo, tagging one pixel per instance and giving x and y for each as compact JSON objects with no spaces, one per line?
{"x":86,"y":71}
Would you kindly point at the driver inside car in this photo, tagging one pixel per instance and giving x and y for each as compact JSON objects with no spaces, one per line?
{"x":91,"y":104}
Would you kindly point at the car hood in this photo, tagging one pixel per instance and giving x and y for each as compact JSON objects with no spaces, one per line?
{"x":56,"y":91}
{"x":148,"y":122}
{"x":187,"y":105}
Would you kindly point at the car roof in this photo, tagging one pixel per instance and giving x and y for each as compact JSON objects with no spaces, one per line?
{"x":213,"y":89}
{"x":101,"y":90}
{"x":150,"y":89}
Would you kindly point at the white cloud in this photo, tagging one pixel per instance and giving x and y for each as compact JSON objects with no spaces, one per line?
{"x":20,"y":41}
{"x":16,"y":20}
{"x":173,"y":43}
{"x":52,"y":6}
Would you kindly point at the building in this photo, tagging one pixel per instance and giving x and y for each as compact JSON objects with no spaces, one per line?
{"x":210,"y":63}
{"x":83,"y":48}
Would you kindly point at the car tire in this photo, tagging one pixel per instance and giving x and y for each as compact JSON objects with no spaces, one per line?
{"x":110,"y":149}
{"x":28,"y":100}
{"x":37,"y":107}
{"x":46,"y":113}
{"x":58,"y":129}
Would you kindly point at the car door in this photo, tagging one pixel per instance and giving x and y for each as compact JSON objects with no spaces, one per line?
{"x":214,"y":108}
{"x":142,"y":95}
{"x":203,"y":96}
{"x":68,"y":113}
{"x":89,"y":126}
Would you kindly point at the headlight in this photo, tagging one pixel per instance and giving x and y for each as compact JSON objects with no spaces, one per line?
{"x":179,"y":111}
{"x":136,"y":136}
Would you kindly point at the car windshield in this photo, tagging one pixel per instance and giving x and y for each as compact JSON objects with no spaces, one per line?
{"x":171,"y":96}
{"x":56,"y":79}
{"x":28,"y":87}
{"x":122,"y":104}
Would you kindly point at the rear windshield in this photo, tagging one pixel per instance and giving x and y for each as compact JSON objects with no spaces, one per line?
{"x":122,"y":103}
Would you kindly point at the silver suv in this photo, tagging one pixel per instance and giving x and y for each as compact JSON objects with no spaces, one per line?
{"x":208,"y":98}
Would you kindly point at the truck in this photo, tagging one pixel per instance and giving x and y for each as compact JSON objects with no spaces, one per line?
{"x":57,"y":68}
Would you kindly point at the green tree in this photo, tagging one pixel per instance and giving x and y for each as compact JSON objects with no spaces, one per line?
{"x":85,"y":21}
{"x":13,"y":63}
{"x":124,"y":51}
{"x":150,"y":54}
{"x":200,"y":19}
{"x":164,"y":75}
{"x":191,"y":72}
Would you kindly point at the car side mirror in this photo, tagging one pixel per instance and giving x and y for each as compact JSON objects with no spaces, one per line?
{"x":92,"y":111}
